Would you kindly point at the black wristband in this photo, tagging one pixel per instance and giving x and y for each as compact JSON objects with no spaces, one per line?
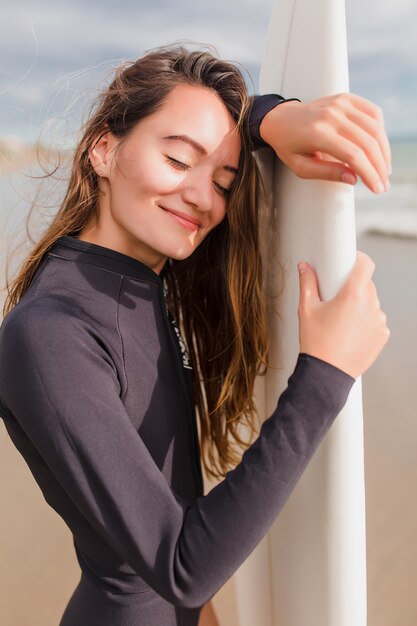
{"x":260,"y":107}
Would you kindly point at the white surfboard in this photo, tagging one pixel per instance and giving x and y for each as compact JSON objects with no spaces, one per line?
{"x":311,"y":568}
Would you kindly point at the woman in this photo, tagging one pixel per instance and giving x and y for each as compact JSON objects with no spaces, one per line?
{"x":143,"y":302}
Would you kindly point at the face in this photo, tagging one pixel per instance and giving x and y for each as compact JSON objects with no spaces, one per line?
{"x":166,"y":186}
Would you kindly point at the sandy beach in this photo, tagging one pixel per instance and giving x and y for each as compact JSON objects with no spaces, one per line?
{"x":39,"y":571}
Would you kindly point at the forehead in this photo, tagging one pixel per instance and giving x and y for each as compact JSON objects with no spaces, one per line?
{"x":198,"y":112}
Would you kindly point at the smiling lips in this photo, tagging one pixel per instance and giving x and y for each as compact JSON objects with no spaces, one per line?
{"x":190,"y":223}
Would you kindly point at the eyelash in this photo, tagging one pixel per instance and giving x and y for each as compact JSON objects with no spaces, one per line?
{"x":183,"y":166}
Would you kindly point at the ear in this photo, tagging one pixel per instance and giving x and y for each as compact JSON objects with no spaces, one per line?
{"x":101,"y":153}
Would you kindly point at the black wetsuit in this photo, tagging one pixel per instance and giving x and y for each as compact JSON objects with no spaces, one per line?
{"x":96,"y":394}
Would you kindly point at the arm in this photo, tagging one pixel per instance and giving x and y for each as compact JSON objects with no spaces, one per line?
{"x":59,"y":382}
{"x":261,"y":105}
{"x":337,"y":138}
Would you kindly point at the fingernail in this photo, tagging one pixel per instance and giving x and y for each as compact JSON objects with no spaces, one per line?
{"x":379,"y":187}
{"x":348,"y":178}
{"x":302,"y":267}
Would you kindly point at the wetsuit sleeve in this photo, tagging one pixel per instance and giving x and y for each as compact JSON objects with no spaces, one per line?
{"x":260,"y":106}
{"x":60,"y":383}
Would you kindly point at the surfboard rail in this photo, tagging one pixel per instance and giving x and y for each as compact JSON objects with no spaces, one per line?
{"x":311,"y":567}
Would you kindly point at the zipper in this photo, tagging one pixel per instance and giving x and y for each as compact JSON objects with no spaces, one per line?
{"x":197,"y":475}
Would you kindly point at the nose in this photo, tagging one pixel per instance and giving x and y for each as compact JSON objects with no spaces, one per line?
{"x":198,"y":190}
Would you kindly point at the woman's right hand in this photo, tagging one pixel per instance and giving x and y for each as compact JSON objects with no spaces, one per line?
{"x":348,"y":331}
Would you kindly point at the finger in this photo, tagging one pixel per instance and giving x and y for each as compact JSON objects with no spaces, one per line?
{"x":369,"y":144}
{"x":348,"y":102}
{"x":374,"y":111}
{"x":354,"y":155}
{"x":376,"y":129}
{"x":311,"y":167}
{"x":373,"y":291}
{"x":363,"y":104}
{"x":326,"y":157}
{"x":362,"y":270}
{"x":309,"y":289}
{"x":385,"y":145}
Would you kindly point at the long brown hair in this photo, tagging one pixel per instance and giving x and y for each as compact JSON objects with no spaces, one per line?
{"x":216,"y":293}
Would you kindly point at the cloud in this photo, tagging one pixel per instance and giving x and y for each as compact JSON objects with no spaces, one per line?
{"x":382,"y":59}
{"x":58,"y":52}
{"x":38,"y":41}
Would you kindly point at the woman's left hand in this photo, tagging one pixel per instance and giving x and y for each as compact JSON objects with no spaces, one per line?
{"x":331,"y":136}
{"x":208,"y":616}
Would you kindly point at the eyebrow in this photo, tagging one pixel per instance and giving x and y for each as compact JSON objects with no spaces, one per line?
{"x":198,"y":148}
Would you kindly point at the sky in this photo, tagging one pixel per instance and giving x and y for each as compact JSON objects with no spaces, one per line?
{"x":55,"y":55}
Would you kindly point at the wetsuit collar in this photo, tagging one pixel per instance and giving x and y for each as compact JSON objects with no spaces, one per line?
{"x":93,"y":253}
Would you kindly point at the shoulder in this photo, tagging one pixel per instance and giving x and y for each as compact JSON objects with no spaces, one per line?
{"x":43,"y":310}
{"x":44,"y":322}
{"x":47,"y":340}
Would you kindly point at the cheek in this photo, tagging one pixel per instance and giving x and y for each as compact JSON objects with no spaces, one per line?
{"x":221,"y":214}
{"x":218,"y":214}
{"x":147,"y":173}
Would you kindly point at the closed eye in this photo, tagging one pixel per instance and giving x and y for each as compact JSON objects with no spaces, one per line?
{"x":178,"y":164}
{"x":183,"y":166}
{"x":222,"y":190}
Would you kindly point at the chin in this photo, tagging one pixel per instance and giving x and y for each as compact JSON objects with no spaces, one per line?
{"x":180,"y":256}
{"x":182,"y":251}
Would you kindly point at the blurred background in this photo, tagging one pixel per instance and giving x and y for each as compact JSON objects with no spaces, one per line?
{"x":54,"y":58}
